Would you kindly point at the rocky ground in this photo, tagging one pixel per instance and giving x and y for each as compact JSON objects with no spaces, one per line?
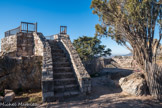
{"x":106,"y":93}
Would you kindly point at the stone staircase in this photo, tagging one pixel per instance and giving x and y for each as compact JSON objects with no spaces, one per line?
{"x":65,"y":82}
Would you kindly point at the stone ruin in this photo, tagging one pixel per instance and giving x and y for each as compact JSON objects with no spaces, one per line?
{"x":51,"y":64}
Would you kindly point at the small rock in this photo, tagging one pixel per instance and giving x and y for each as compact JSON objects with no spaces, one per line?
{"x":1,"y":98}
{"x":7,"y":91}
{"x":9,"y":97}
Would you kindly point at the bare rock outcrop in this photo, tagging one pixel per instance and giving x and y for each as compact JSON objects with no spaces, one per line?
{"x":134,"y":84}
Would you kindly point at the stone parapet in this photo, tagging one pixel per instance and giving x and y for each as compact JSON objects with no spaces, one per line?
{"x":9,"y":44}
{"x":82,"y":75}
{"x":43,"y":48}
{"x":18,"y":45}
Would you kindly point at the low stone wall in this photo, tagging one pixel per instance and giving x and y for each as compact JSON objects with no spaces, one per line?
{"x":82,"y":75}
{"x":124,"y":62}
{"x":94,"y":66}
{"x":127,"y":62}
{"x":47,"y":69}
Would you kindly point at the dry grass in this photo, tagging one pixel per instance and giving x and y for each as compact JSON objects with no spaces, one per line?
{"x":34,"y":96}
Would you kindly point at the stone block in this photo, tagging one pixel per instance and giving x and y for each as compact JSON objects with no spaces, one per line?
{"x":7,"y":91}
{"x":47,"y":77}
{"x":48,"y":86}
{"x":9,"y":97}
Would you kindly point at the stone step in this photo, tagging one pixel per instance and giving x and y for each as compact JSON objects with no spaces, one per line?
{"x":55,"y":48}
{"x":64,"y":81}
{"x":54,"y":45}
{"x":58,"y":55}
{"x":63,"y":76}
{"x":62,"y":69}
{"x":67,"y":94}
{"x":60,"y":59}
{"x":57,"y":51}
{"x":61,"y":64}
{"x":64,"y":88}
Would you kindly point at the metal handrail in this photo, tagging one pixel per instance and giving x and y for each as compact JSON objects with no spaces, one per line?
{"x":50,"y":37}
{"x":24,"y":27}
{"x":9,"y":32}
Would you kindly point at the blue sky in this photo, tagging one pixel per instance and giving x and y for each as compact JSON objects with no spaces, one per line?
{"x":50,"y":14}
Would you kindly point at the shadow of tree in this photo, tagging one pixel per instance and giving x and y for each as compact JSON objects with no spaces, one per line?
{"x":106,"y":94}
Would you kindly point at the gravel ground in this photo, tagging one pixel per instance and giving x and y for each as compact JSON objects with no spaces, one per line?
{"x":106,"y":93}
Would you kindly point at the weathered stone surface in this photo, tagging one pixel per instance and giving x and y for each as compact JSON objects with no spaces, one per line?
{"x":1,"y":98}
{"x":134,"y":84}
{"x":20,"y":73}
{"x":95,"y":65}
{"x":127,"y":62}
{"x":8,"y":91}
{"x":42,"y":48}
{"x":39,"y":44}
{"x":9,"y":44}
{"x":82,"y":75}
{"x":21,"y":44}
{"x":9,"y":97}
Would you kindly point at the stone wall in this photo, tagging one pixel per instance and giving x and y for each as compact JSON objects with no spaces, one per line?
{"x":47,"y":69}
{"x":38,"y":41}
{"x":9,"y":44}
{"x":82,"y":75}
{"x":127,"y":62}
{"x":25,"y":44}
{"x":95,"y":65}
{"x":20,"y":73}
{"x":21,"y":44}
{"x":124,"y":61}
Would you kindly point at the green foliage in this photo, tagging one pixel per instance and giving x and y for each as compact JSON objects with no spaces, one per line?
{"x":121,"y":16}
{"x":89,"y":47}
{"x":130,"y":21}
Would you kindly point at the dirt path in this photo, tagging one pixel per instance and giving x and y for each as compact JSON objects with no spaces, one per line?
{"x":106,"y":94}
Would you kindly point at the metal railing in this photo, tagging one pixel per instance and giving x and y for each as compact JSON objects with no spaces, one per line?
{"x":12,"y":31}
{"x":63,"y":29}
{"x":25,"y":27}
{"x":50,"y":37}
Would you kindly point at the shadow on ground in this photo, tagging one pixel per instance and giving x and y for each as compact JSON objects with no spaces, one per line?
{"x":106,"y":93}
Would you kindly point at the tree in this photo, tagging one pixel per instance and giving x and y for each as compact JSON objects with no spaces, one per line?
{"x":133,"y":22}
{"x":129,"y":21}
{"x":89,"y":47}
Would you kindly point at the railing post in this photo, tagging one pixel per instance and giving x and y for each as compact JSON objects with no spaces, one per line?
{"x":36,"y":27}
{"x":20,"y":26}
{"x":60,"y":29}
{"x":27,"y":27}
{"x":9,"y":33}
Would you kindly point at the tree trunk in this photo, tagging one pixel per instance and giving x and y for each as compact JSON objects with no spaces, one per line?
{"x":153,"y":72}
{"x":154,"y":79}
